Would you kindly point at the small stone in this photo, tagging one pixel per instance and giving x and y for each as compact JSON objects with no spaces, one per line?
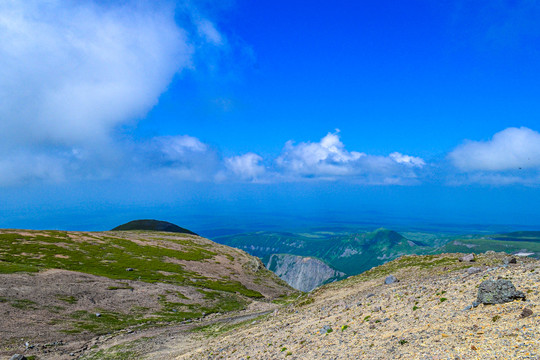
{"x":129,"y":269}
{"x":467,"y":258}
{"x":469,"y":307}
{"x":390,"y":279}
{"x":473,"y":347}
{"x":325,"y":329}
{"x":510,"y":261}
{"x":498,"y":292}
{"x":473,"y":270}
{"x":98,"y":315}
{"x":526,"y":313}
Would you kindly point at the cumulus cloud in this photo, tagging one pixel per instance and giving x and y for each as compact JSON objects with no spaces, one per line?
{"x":328,"y":159}
{"x":246,"y":167}
{"x":72,"y":72}
{"x":510,"y":149}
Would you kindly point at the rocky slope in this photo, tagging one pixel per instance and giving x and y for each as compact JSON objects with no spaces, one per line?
{"x":429,"y":314}
{"x":59,"y":289}
{"x":302,"y":273}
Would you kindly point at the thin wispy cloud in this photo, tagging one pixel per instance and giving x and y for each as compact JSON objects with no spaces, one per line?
{"x":176,"y":158}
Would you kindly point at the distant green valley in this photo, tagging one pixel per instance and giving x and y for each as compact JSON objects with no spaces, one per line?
{"x":350,"y":253}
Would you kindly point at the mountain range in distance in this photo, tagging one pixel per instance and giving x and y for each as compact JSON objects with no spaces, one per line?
{"x":330,"y":256}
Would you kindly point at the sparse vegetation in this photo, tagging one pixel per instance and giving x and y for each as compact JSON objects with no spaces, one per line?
{"x":129,"y":263}
{"x":69,"y":299}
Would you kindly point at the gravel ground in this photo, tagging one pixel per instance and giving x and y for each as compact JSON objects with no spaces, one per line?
{"x":427,"y":315}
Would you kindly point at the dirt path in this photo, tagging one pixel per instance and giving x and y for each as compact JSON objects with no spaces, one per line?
{"x":165,"y":343}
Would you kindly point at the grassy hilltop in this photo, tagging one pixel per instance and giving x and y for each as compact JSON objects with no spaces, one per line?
{"x":82,"y":284}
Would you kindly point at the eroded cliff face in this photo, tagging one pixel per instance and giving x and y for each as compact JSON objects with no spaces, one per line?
{"x":302,"y":273}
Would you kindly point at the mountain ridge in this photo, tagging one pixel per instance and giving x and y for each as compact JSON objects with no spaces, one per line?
{"x":152,"y":225}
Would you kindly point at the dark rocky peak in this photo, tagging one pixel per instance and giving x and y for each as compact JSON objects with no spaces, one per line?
{"x":152,"y":225}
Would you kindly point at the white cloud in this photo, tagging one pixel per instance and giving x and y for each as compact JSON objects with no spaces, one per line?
{"x":246,"y":167}
{"x":510,"y":149}
{"x":328,"y":159}
{"x":72,"y":72}
{"x":407,"y":160}
{"x":177,"y":147}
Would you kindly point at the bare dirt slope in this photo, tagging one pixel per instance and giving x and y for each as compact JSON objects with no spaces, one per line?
{"x":428,"y":314}
{"x":62,"y":291}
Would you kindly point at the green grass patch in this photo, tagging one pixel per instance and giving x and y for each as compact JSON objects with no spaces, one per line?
{"x":56,"y":250}
{"x":118,"y":352}
{"x":69,"y":299}
{"x":107,"y":322}
{"x":23,"y":304}
{"x":121,"y":286}
{"x":421,"y":262}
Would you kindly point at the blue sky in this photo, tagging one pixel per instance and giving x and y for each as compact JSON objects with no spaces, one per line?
{"x":243,"y":111}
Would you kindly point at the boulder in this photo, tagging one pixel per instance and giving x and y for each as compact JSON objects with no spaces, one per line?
{"x":498,"y":292}
{"x":526,"y":312}
{"x":467,"y":258}
{"x":390,"y":279}
{"x":473,"y":270}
